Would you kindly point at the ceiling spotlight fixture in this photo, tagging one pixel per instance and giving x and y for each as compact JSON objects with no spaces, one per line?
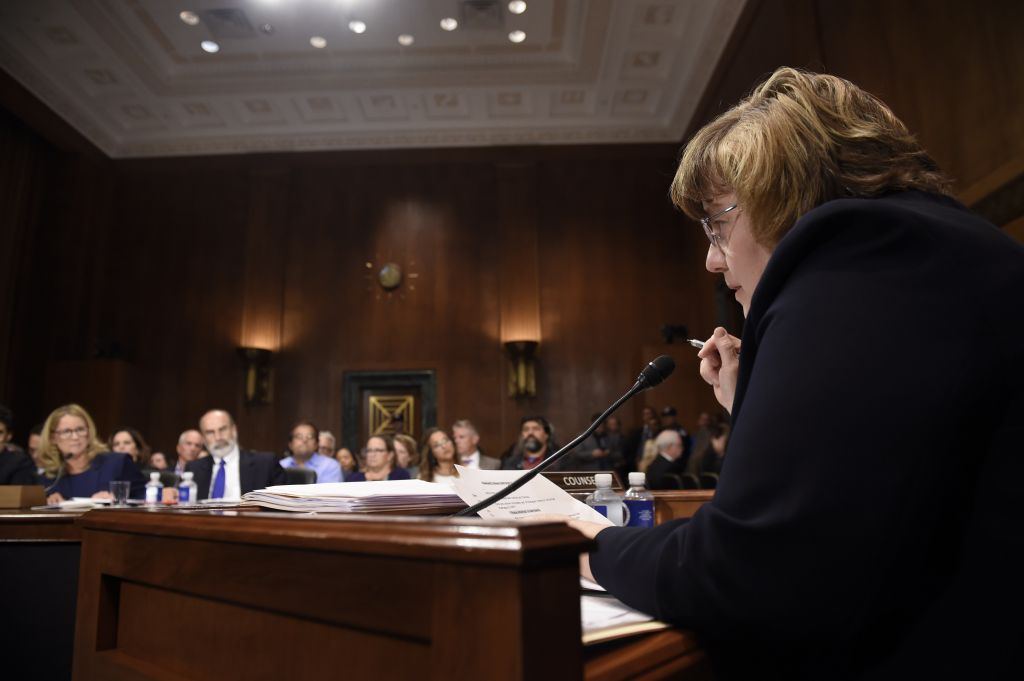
{"x":267,"y":29}
{"x":210,"y":46}
{"x":357,"y":26}
{"x":405,"y":40}
{"x":517,"y":6}
{"x":318,"y":42}
{"x":449,"y":24}
{"x":190,"y":18}
{"x":517,"y":36}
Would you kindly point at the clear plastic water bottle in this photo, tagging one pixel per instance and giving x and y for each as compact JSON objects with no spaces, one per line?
{"x":187,"y":489}
{"x":605,"y":501}
{"x":154,"y":489}
{"x":639,"y":501}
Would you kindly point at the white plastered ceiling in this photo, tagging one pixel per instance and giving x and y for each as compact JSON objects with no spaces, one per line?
{"x":131,"y":76}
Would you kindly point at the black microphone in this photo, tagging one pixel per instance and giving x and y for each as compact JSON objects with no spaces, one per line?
{"x":654,"y":373}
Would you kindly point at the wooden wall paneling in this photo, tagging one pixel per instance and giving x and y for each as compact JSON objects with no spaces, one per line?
{"x":266,"y":244}
{"x":24,"y":162}
{"x":517,"y":223}
{"x":951,"y":71}
{"x":180,"y":230}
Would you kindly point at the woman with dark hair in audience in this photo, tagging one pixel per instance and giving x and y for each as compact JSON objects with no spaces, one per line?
{"x":380,"y":462}
{"x":407,"y":454}
{"x":130,"y":441}
{"x":348,"y":461}
{"x":438,"y":457}
{"x":75,"y":462}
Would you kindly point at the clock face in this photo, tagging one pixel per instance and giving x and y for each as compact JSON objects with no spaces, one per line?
{"x":390,"y":276}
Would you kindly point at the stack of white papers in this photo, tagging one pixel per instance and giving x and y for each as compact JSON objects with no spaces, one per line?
{"x":380,"y":496}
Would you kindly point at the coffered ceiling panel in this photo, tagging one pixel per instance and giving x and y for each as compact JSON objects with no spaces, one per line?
{"x":174,"y":77}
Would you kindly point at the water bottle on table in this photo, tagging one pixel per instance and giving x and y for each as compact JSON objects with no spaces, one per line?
{"x":607,"y":502}
{"x":639,"y":501}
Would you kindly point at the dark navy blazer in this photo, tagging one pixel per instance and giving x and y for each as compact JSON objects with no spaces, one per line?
{"x":867,"y":522}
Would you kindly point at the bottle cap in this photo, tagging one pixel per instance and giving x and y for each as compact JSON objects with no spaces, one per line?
{"x":637,"y":479}
{"x":155,"y":477}
{"x":603,"y":479}
{"x":187,"y":475}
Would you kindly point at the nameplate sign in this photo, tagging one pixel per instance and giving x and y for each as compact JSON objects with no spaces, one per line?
{"x":580,"y":483}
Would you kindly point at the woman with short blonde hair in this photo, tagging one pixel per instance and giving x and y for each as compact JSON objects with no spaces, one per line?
{"x":76,"y":463}
{"x":832,"y":549}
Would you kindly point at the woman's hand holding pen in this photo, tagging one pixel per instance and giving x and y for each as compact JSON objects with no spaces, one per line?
{"x":720,"y":365}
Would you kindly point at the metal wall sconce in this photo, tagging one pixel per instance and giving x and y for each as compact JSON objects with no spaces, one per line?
{"x":522,"y":375}
{"x":259,"y":377}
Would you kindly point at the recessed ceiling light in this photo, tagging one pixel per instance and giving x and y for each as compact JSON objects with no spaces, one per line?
{"x":318,"y":42}
{"x":210,"y":46}
{"x":405,"y":40}
{"x":517,"y":6}
{"x":267,"y":28}
{"x":449,"y":24}
{"x":517,"y":36}
{"x":190,"y":18}
{"x":357,"y":26}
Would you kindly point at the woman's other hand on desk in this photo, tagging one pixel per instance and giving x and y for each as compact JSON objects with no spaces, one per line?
{"x":54,"y":499}
{"x":720,"y":365}
{"x":586,"y":528}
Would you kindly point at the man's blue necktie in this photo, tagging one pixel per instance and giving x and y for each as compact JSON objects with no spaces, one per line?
{"x":218,"y":481}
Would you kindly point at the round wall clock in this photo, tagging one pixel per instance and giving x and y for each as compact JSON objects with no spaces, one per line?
{"x":390,"y":276}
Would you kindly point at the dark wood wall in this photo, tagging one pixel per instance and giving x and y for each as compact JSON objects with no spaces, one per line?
{"x":195,"y":257}
{"x":130,"y":283}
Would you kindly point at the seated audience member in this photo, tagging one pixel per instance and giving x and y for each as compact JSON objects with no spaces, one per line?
{"x":595,"y":453}
{"x":230,"y":471}
{"x":701,"y":438}
{"x":534,"y":445}
{"x":190,"y":448}
{"x":710,"y":460}
{"x":668,"y":458}
{"x":348,"y":461}
{"x":130,"y":441}
{"x":326,"y":443}
{"x":158,"y":462}
{"x":77,"y":464}
{"x":669,"y":421}
{"x":34,"y":437}
{"x":303,"y":449}
{"x":16,"y":467}
{"x":467,"y":446}
{"x":641,"y":441}
{"x":614,"y":436}
{"x":380,"y":462}
{"x":437,"y":461}
{"x":407,"y":455}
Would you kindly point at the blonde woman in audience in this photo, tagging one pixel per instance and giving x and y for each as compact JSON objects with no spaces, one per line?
{"x":76,"y":463}
{"x":130,"y":441}
{"x":407,"y":454}
{"x":380,"y":462}
{"x":437,"y":462}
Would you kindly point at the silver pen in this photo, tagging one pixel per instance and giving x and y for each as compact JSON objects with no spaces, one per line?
{"x":695,"y":343}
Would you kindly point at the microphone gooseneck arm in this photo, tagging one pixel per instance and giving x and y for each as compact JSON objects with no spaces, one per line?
{"x":653,"y":374}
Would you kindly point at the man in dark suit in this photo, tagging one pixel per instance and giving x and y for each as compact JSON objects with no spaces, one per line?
{"x":669,"y":460}
{"x":229,"y":472}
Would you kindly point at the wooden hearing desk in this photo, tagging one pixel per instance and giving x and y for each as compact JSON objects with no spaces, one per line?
{"x":218,"y":595}
{"x":39,"y":554}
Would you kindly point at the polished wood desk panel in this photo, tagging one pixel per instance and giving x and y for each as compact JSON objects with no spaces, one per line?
{"x":675,"y":504}
{"x":39,"y":554}
{"x":207,"y":595}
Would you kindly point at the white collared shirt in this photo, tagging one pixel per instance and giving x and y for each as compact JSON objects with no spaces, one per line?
{"x":232,"y":481}
{"x":473,"y":460}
